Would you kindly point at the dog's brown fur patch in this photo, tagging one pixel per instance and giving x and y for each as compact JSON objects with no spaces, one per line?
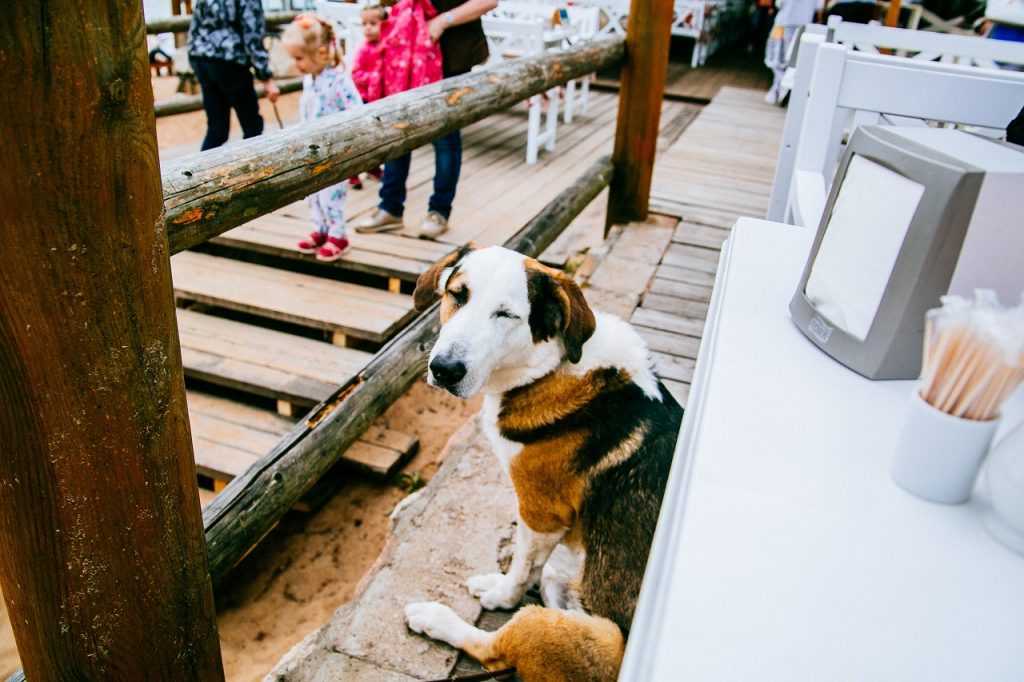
{"x":551,"y":398}
{"x":550,"y":645}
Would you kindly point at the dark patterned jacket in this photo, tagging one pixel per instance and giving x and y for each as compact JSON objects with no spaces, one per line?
{"x":231,"y":30}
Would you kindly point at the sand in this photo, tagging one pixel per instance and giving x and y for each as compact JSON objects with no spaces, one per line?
{"x":311,"y":563}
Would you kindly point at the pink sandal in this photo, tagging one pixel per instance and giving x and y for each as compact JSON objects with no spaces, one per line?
{"x":311,"y":243}
{"x":333,"y":250}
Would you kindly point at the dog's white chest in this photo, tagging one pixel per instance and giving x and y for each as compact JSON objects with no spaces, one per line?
{"x":504,"y":448}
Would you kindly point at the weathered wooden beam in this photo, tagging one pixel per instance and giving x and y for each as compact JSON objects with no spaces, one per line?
{"x":252,"y":503}
{"x":180,"y":24}
{"x":103,"y":563}
{"x":209,"y":193}
{"x":181,"y":105}
{"x":641,"y":89}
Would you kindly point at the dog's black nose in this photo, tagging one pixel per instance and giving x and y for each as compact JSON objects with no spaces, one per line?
{"x":447,"y":372}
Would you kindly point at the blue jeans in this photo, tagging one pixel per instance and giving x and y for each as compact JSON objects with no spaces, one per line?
{"x":447,"y":164}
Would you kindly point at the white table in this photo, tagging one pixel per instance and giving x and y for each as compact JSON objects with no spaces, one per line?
{"x":784,"y":550}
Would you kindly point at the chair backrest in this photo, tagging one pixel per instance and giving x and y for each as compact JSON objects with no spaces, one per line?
{"x":848,"y":89}
{"x":926,"y":45}
{"x":614,"y":14}
{"x":510,"y":38}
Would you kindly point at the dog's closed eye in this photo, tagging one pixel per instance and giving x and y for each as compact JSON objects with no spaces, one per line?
{"x":504,"y":312}
{"x":459,"y":295}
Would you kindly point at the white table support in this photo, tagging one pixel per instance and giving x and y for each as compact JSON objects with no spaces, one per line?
{"x":784,"y":550}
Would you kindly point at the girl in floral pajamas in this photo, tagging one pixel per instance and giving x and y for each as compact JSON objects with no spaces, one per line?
{"x":326,"y":89}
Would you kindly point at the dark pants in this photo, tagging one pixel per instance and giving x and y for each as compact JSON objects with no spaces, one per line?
{"x":854,"y":12}
{"x":226,"y":86}
{"x":447,"y":164}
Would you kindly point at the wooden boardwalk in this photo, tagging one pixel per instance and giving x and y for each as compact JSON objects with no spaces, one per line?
{"x":719,"y":170}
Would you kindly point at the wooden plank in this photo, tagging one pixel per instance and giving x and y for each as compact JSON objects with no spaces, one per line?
{"x":670,"y":343}
{"x":309,"y":301}
{"x":700,"y":235}
{"x":387,"y":255}
{"x":228,"y":439}
{"x":693,"y":292}
{"x":673,"y":367}
{"x":693,"y":257}
{"x":688,"y":275}
{"x":679,"y":390}
{"x":675,"y":306}
{"x":655,"y":319}
{"x":263,"y":361}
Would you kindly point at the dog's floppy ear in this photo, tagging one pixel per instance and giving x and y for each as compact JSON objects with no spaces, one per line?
{"x":557,"y":307}
{"x":428,"y":287}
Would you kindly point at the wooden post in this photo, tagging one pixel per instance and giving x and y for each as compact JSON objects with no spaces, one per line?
{"x":641,"y":88}
{"x":892,"y":15}
{"x":103,"y":562}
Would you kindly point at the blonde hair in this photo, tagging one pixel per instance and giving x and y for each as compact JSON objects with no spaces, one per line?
{"x":312,"y":32}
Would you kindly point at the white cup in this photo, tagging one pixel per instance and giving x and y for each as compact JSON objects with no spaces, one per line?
{"x":938,"y":455}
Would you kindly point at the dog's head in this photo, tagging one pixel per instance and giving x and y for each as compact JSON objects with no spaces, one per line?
{"x":506,"y":320}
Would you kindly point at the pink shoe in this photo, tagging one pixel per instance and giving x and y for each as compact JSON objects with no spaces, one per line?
{"x":333,"y":250}
{"x":311,"y":243}
{"x":355,"y":183}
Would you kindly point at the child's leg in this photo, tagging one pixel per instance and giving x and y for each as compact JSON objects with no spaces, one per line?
{"x":332,"y":205}
{"x":318,"y":236}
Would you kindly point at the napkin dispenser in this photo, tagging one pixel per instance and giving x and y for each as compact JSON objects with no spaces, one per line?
{"x":913,"y":213}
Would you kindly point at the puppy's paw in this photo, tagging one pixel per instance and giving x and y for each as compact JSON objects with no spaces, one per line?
{"x":495,"y":591}
{"x":436,"y":621}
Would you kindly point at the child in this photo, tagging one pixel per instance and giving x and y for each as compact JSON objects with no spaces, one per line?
{"x":326,"y":89}
{"x":368,"y":66}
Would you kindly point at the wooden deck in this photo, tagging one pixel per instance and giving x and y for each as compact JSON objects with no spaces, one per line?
{"x":281,"y":331}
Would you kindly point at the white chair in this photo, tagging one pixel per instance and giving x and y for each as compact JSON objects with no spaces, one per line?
{"x":924,"y":46}
{"x":512,"y":38}
{"x":848,"y":89}
{"x":584,"y":24}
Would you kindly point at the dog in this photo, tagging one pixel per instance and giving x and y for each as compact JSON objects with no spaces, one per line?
{"x":585,"y":431}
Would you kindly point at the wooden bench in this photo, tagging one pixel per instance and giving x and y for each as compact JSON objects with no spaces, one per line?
{"x":398,"y":258}
{"x":295,"y":371}
{"x":228,"y":437}
{"x":340,"y":308}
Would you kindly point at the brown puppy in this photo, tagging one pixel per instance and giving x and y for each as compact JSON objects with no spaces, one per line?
{"x":586,"y":433}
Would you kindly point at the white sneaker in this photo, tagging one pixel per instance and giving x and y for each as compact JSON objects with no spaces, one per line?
{"x":378,"y":221}
{"x":433,"y":226}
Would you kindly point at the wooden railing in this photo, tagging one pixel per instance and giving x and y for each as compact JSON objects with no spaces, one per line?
{"x":209,"y":193}
{"x":180,"y":24}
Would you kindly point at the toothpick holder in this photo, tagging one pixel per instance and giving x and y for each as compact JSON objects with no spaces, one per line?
{"x":939,"y":455}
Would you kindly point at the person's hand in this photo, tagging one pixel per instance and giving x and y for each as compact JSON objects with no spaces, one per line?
{"x":273,"y":92}
{"x":435,"y":27}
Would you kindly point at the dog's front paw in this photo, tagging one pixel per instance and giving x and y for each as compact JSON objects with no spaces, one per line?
{"x":494,"y":590}
{"x":436,"y":621}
